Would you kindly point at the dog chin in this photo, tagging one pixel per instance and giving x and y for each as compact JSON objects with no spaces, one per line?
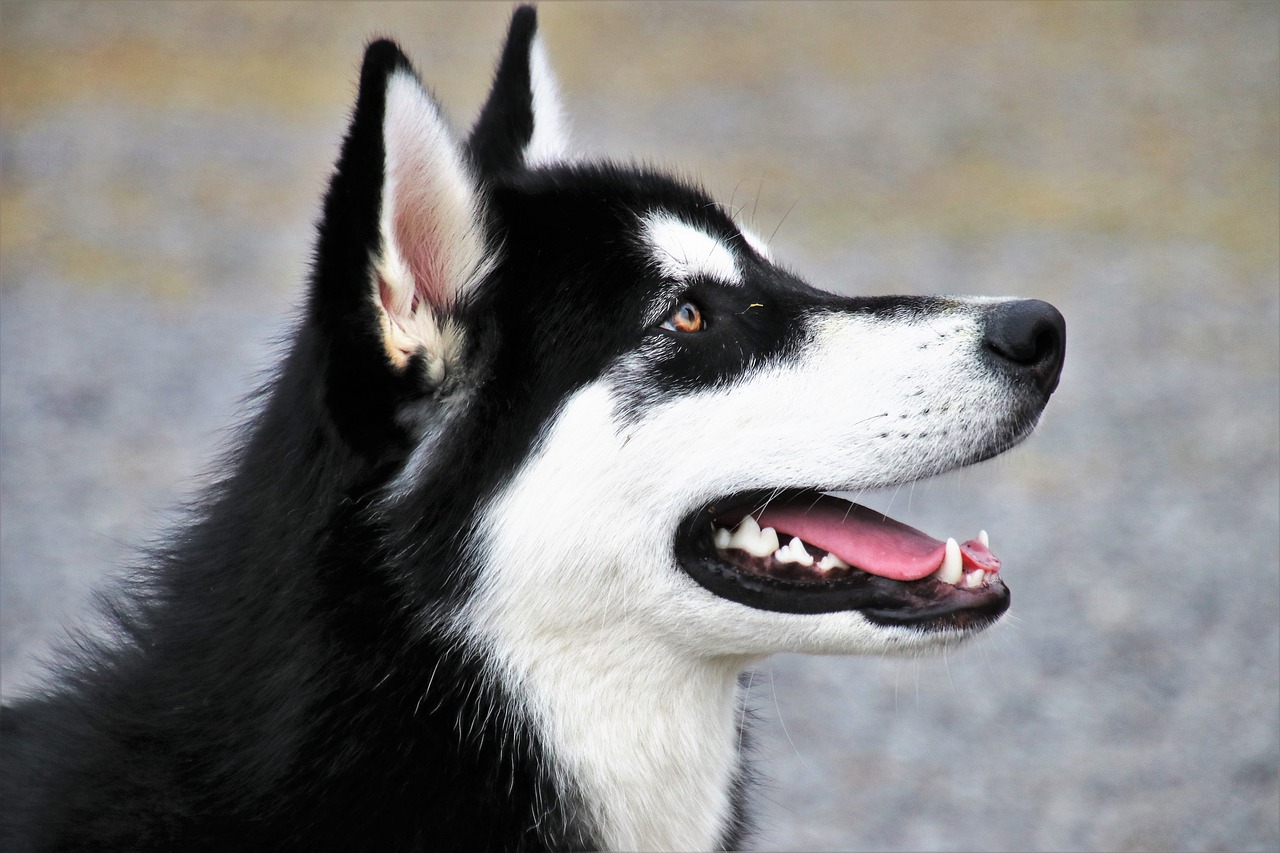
{"x":722,"y":628}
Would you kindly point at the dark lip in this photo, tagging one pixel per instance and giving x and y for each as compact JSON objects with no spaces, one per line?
{"x":926,"y":604}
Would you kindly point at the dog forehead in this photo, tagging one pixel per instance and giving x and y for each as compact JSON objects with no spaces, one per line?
{"x":682,"y":250}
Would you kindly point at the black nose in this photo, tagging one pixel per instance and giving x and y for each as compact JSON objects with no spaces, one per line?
{"x":1028,"y":337}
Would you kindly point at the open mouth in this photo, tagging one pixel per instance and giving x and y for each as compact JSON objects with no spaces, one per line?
{"x":803,"y":551}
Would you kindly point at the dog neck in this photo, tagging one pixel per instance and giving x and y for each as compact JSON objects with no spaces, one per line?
{"x":650,"y":741}
{"x":572,"y":605}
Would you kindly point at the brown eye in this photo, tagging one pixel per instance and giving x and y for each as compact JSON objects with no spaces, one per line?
{"x":686,"y":318}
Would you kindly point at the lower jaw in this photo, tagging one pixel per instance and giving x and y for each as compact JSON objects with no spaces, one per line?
{"x":927,"y":604}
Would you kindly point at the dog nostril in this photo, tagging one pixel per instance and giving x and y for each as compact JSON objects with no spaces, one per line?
{"x":1030,"y":336}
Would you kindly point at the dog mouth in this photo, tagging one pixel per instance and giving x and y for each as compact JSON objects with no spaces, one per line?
{"x":804,"y":551}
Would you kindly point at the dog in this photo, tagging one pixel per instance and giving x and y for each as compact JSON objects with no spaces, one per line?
{"x":548,"y":464}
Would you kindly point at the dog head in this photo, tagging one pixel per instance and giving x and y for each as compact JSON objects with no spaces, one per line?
{"x":606,"y":408}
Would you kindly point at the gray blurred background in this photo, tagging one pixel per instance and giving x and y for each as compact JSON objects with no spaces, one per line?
{"x":163,"y":164}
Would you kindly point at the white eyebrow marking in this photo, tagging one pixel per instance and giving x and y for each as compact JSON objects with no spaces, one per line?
{"x":757,"y":245}
{"x":682,"y":251}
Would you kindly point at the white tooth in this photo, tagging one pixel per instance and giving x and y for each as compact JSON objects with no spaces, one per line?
{"x":722,"y":537}
{"x":802,"y":556}
{"x":785,"y":555}
{"x":974,"y":578}
{"x":747,"y":538}
{"x":743,"y":537}
{"x":952,"y":566}
{"x":831,"y":561}
{"x":768,"y":540}
{"x":984,"y":539}
{"x":758,"y":548}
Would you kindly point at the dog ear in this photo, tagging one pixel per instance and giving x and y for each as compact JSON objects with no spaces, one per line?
{"x":522,"y":123}
{"x":402,"y":243}
{"x":403,"y":240}
{"x":431,"y":227}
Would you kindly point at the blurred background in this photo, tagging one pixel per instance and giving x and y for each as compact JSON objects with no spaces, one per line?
{"x":162,"y":167}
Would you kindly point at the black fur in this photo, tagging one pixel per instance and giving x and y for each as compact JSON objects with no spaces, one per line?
{"x":272,"y":685}
{"x":506,"y":122}
{"x":277,"y":683}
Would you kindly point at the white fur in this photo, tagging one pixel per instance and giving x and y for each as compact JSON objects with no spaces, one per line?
{"x":629,"y":667}
{"x":682,"y":251}
{"x":756,"y":243}
{"x":550,"y":140}
{"x":431,"y":222}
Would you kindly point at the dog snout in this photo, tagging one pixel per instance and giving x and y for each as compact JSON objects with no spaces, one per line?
{"x":1028,"y":337}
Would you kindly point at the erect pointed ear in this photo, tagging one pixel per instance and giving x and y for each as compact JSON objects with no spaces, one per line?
{"x":403,"y":241}
{"x":432,"y":226}
{"x":522,"y":123}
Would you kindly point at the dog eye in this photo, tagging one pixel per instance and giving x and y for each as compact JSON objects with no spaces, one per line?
{"x":686,"y":318}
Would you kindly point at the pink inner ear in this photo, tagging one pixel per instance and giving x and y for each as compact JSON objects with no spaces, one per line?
{"x":433,"y":210}
{"x":418,"y":238}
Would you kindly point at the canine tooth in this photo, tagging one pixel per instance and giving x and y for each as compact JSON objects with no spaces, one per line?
{"x":952,"y":566}
{"x":722,"y":538}
{"x":984,"y":539}
{"x":974,"y":578}
{"x":831,"y":561}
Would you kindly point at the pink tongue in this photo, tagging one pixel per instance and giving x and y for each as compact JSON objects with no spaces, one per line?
{"x":868,"y":540}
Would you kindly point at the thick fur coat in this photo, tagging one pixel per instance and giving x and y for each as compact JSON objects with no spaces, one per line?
{"x":470,"y":581}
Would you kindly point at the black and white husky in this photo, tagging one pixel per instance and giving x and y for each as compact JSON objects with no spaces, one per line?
{"x":545,"y":468}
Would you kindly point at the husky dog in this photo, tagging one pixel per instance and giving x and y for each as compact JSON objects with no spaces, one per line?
{"x":548,"y":464}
